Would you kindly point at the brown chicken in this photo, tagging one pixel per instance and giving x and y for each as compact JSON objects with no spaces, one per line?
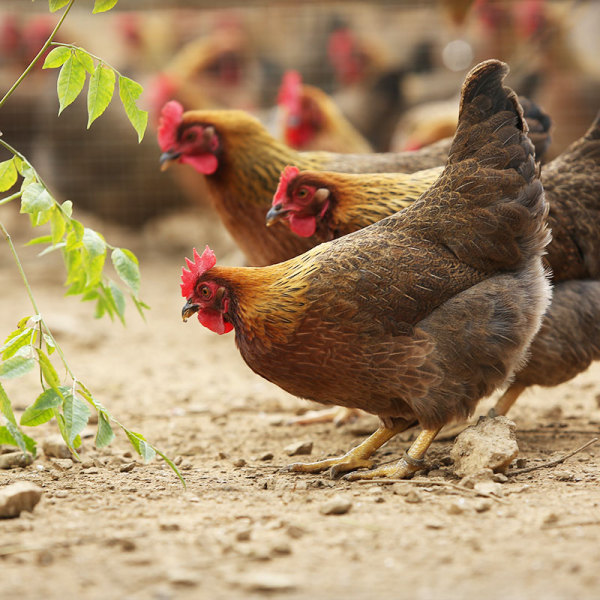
{"x":416,"y":317}
{"x":311,"y":120}
{"x":242,"y":163}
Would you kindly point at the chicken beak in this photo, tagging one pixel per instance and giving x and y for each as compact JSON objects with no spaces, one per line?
{"x":167,"y":157}
{"x":188,"y":310}
{"x":276,"y":213}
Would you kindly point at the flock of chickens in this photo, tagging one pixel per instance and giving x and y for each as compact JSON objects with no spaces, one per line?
{"x":409,"y":285}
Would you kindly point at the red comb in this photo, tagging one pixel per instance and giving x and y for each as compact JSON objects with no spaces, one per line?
{"x":198,"y":267}
{"x":170,"y":117}
{"x":284,"y":180}
{"x":289,"y":92}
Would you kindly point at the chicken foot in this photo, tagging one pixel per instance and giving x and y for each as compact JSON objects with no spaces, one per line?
{"x":338,"y":415}
{"x":408,"y":465}
{"x":358,"y":457}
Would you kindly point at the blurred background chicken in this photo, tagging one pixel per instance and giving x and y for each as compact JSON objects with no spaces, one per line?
{"x":311,"y":120}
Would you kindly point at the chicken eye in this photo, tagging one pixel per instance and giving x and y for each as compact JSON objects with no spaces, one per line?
{"x":190,"y":136}
{"x":205,"y":292}
{"x":302,"y":193}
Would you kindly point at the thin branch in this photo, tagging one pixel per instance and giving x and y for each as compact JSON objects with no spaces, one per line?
{"x":38,"y":56}
{"x":11,"y":198}
{"x":554,"y":462}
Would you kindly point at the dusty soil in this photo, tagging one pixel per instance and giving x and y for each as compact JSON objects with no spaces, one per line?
{"x":243,"y":529}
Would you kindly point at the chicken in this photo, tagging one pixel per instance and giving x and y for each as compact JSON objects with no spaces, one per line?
{"x":326,"y":205}
{"x":312,"y":121}
{"x":416,"y":317}
{"x":242,"y":163}
{"x":569,"y":338}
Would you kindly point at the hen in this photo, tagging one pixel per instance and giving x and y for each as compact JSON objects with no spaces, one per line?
{"x":242,"y":162}
{"x":312,"y":120}
{"x":416,"y":317}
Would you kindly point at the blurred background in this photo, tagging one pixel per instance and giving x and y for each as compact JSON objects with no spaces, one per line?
{"x":393,"y":68}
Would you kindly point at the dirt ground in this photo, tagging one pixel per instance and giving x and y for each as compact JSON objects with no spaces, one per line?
{"x":243,"y":529}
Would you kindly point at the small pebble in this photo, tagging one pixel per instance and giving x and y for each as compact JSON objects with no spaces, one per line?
{"x":457,"y":507}
{"x":243,"y":535}
{"x":223,"y":455}
{"x":413,"y":497}
{"x":55,"y":447}
{"x":482,"y":506}
{"x":61,"y":494}
{"x":63,"y":463}
{"x":268,"y":582}
{"x":488,"y":487}
{"x":521,"y":463}
{"x":295,"y":532}
{"x":127,"y":468}
{"x":266,"y":456}
{"x":338,"y":505}
{"x":297,"y":448}
{"x":281,"y":548}
{"x":239,"y":462}
{"x":13,"y":460}
{"x":18,"y":497}
{"x":88,"y":463}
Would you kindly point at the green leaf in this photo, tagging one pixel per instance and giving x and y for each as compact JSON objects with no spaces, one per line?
{"x":129,"y":92}
{"x":85,"y":59}
{"x":57,"y":57}
{"x":42,"y":410}
{"x":43,"y":239}
{"x":126,"y":265}
{"x":37,"y":202}
{"x":48,"y":370}
{"x":67,"y":207}
{"x":142,"y":447}
{"x":171,"y":464}
{"x":50,"y":345}
{"x":116,"y":299}
{"x":105,"y":433}
{"x":95,"y":247}
{"x":58,"y":225}
{"x":77,"y":414}
{"x":17,"y":340}
{"x":6,"y":407}
{"x":141,"y":306}
{"x":6,"y":437}
{"x":16,"y":366}
{"x":100,"y":92}
{"x":70,"y":82}
{"x":8,"y":174}
{"x":57,"y":4}
{"x":103,"y":5}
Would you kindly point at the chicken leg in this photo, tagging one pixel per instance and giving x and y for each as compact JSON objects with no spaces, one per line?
{"x":506,"y":401}
{"x":406,"y":466}
{"x":358,"y":457}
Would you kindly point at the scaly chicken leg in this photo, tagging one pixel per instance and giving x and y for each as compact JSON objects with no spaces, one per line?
{"x":406,"y":466}
{"x":356,"y":458}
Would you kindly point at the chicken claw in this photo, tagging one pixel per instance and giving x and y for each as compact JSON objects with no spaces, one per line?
{"x":410,"y":463}
{"x":357,"y":458}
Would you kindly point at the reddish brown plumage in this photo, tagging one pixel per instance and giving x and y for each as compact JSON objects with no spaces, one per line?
{"x":423,"y":313}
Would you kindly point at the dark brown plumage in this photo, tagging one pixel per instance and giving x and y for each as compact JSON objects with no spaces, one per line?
{"x":569,"y":338}
{"x":242,"y":163}
{"x":418,"y":316}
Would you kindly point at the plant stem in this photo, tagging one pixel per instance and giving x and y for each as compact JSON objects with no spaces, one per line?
{"x":33,"y":302}
{"x":38,"y":56}
{"x":9,"y":198}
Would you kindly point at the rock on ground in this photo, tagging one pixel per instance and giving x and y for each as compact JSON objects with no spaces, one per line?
{"x":490,"y":444}
{"x":18,"y":497}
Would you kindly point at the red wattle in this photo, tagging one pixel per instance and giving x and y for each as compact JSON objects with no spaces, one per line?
{"x":203,"y":163}
{"x":303,"y":226}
